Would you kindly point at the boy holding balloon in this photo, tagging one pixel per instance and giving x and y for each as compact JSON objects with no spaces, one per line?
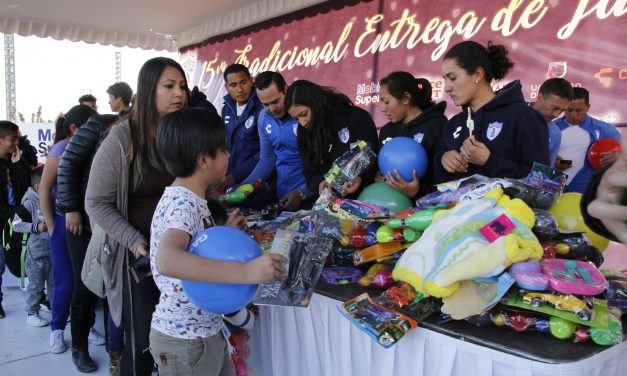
{"x":183,"y":335}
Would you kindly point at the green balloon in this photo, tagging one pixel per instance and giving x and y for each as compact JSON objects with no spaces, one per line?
{"x":560,"y":328}
{"x":383,"y":195}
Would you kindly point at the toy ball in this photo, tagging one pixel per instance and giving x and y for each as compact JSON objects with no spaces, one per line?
{"x":560,"y":328}
{"x":568,"y":215}
{"x":224,"y":244}
{"x":599,"y":149}
{"x":382,"y":194}
{"x":405,"y":155}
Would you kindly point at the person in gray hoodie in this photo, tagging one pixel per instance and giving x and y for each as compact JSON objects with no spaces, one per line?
{"x":30,"y":219}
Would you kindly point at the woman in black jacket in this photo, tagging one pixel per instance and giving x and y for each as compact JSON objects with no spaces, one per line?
{"x":329,"y":124}
{"x":406,"y":102}
{"x":72,"y":177}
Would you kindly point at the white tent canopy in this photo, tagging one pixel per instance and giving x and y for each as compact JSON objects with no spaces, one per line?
{"x":149,"y":24}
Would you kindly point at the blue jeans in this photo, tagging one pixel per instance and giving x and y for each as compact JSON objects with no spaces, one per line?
{"x":62,"y":273}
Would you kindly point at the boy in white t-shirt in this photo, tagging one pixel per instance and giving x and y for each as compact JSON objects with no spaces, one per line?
{"x":184,"y":339}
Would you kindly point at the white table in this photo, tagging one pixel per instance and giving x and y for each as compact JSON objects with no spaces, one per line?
{"x":318,"y":341}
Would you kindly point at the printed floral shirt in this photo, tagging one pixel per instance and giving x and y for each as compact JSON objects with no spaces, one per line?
{"x":175,"y":315}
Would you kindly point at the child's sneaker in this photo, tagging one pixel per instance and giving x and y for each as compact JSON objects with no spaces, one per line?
{"x":44,"y":305}
{"x":95,"y":338}
{"x":57,"y":344}
{"x":36,"y":321}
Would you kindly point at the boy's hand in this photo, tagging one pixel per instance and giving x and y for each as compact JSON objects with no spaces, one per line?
{"x":42,"y":227}
{"x":140,"y":250}
{"x":265,"y":269}
{"x":453,"y":161}
{"x":408,"y":188}
{"x":351,"y":187}
{"x":236,"y":220}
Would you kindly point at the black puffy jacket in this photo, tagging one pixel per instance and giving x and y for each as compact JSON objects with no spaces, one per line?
{"x":75,"y":164}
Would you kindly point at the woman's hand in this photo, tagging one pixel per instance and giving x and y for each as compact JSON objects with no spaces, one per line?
{"x":235,"y":220}
{"x":609,"y":205}
{"x":453,"y":162}
{"x":409,"y":189}
{"x":475,"y":151}
{"x":74,"y":223}
{"x":141,"y":250}
{"x":351,"y":187}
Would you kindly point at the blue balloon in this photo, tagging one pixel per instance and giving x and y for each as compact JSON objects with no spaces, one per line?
{"x":224,"y":244}
{"x":405,"y":155}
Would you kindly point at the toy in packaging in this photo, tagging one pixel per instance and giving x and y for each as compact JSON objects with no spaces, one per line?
{"x":573,"y":277}
{"x":341,"y":275}
{"x":384,"y":325}
{"x":306,"y":255}
{"x":239,"y":342}
{"x":376,"y":252}
{"x":350,"y":165}
{"x":244,"y":191}
{"x":529,"y":276}
{"x":419,"y":220}
{"x":377,"y":269}
{"x":472,"y":298}
{"x":616,"y":292}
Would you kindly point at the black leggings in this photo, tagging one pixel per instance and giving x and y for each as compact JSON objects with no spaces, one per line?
{"x":83,"y":300}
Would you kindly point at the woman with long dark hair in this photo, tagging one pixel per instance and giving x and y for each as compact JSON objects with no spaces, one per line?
{"x":497,"y":134}
{"x":329,"y":124}
{"x":406,"y":102}
{"x":126,"y":181}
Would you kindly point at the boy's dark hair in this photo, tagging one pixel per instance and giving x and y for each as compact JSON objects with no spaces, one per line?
{"x":86,"y":98}
{"x":493,"y":59}
{"x":8,"y":128}
{"x":265,"y":79}
{"x":235,"y":68}
{"x":121,"y":90}
{"x":35,"y":175}
{"x":581,"y":93}
{"x":186,"y":134}
{"x":557,"y":86}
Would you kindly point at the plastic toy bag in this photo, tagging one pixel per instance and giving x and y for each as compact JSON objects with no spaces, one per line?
{"x":573,"y":277}
{"x":350,"y":165}
{"x":237,"y":194}
{"x":616,"y":292}
{"x":382,"y":324}
{"x":306,"y":256}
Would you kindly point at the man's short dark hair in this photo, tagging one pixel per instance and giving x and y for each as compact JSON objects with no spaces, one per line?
{"x":581,"y":93}
{"x":236,"y":68}
{"x":35,"y":175}
{"x":265,"y":79}
{"x":121,"y":90}
{"x":8,"y":128}
{"x":86,"y":98}
{"x":186,"y":134}
{"x":557,"y":86}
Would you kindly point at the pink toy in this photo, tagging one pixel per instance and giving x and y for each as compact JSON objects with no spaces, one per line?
{"x":573,"y":277}
{"x":529,"y":276}
{"x":383,"y":279}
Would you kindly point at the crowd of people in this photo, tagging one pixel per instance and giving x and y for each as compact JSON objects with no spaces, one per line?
{"x":127,"y":192}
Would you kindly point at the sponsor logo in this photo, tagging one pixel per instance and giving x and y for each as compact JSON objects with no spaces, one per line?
{"x":606,"y":75}
{"x":494,"y":129}
{"x":418,"y":137}
{"x":249,"y":122}
{"x":268,"y":128}
{"x":557,"y":69}
{"x":386,"y":140}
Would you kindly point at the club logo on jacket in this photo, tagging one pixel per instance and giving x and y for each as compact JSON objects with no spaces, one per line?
{"x":226,"y":119}
{"x":268,"y":128}
{"x":494,"y":129}
{"x":249,"y":122}
{"x":597,"y":133}
{"x":386,"y":140}
{"x":418,"y":137}
{"x":457,"y":132}
{"x":295,"y":129}
{"x":344,"y":134}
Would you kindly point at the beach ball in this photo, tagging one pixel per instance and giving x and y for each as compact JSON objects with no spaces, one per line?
{"x":225,"y":244}
{"x":405,"y":155}
{"x":567,"y":213}
{"x":598,"y":149}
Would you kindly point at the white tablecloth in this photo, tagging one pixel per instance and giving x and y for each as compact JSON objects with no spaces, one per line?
{"x":318,"y":341}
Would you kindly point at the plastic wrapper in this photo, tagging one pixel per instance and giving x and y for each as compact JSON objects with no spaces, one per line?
{"x":616,"y":292}
{"x":573,"y":277}
{"x":306,"y":256}
{"x":545,"y":227}
{"x":533,"y":196}
{"x":350,"y":165}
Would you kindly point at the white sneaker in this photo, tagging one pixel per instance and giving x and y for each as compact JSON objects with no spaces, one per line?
{"x":95,"y":338}
{"x":57,"y":344}
{"x":36,"y":320}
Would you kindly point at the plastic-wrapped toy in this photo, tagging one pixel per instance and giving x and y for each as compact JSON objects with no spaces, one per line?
{"x":616,"y":292}
{"x":379,"y":275}
{"x":573,"y":277}
{"x":376,"y":252}
{"x":562,"y":302}
{"x":453,"y":249}
{"x":350,"y":165}
{"x":529,"y":276}
{"x":419,"y":220}
{"x":238,"y":340}
{"x":341,"y":275}
{"x":243,"y":191}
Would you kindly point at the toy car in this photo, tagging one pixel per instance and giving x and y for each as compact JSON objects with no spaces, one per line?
{"x":562,"y":302}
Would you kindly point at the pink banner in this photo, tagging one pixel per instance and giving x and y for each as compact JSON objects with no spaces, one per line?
{"x":351,"y":45}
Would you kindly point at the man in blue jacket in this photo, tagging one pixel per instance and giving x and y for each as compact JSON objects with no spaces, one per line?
{"x":279,"y":148}
{"x":553,"y":98}
{"x":579,"y":131}
{"x":240,"y":113}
